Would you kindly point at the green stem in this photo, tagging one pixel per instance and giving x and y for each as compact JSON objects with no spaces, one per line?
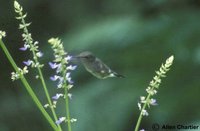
{"x":67,"y":110}
{"x":140,"y":117}
{"x":28,"y":87}
{"x":41,"y":75}
{"x":48,"y":97}
{"x":67,"y":101}
{"x":155,"y":84}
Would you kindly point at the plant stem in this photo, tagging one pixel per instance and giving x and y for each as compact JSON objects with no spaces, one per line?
{"x":48,"y":97}
{"x":154,"y":84}
{"x":67,"y":102}
{"x":67,"y":110}
{"x":140,"y":117}
{"x":28,"y":88}
{"x":40,"y":74}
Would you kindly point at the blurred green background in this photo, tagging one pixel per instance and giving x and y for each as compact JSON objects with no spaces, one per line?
{"x":132,"y":36}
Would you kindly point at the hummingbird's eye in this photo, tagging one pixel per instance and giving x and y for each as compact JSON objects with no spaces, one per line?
{"x":86,"y":57}
{"x":89,"y":58}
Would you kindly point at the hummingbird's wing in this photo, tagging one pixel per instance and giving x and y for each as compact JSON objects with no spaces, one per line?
{"x":100,"y":69}
{"x":106,"y":71}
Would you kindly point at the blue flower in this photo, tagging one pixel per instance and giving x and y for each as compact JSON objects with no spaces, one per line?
{"x":68,"y":58}
{"x":57,"y":96}
{"x":53,"y":65}
{"x":28,"y":62}
{"x":153,"y":102}
{"x":59,"y":68}
{"x":69,"y":79}
{"x":60,"y":120}
{"x":25,"y":47}
{"x":70,"y":67}
{"x":55,"y":77}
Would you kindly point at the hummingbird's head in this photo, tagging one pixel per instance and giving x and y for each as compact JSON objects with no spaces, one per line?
{"x":86,"y":56}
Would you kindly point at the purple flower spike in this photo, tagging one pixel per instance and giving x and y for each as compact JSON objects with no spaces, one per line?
{"x":53,"y":65}
{"x":24,"y":48}
{"x":69,"y":79}
{"x":57,"y":96}
{"x":153,"y":102}
{"x":28,"y":62}
{"x":70,"y":67}
{"x":60,"y":120}
{"x":68,"y":75}
{"x":54,"y":78}
{"x":68,"y":58}
{"x":59,"y":68}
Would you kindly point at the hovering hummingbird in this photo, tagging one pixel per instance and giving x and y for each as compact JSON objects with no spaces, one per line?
{"x":95,"y":66}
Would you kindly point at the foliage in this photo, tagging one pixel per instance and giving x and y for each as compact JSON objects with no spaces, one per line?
{"x":130,"y":36}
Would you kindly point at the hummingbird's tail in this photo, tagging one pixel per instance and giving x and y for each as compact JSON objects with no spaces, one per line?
{"x":118,"y":75}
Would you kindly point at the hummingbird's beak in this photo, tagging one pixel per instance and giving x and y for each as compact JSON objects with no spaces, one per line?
{"x":78,"y":56}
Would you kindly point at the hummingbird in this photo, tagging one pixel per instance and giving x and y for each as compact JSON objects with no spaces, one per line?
{"x":95,"y":66}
